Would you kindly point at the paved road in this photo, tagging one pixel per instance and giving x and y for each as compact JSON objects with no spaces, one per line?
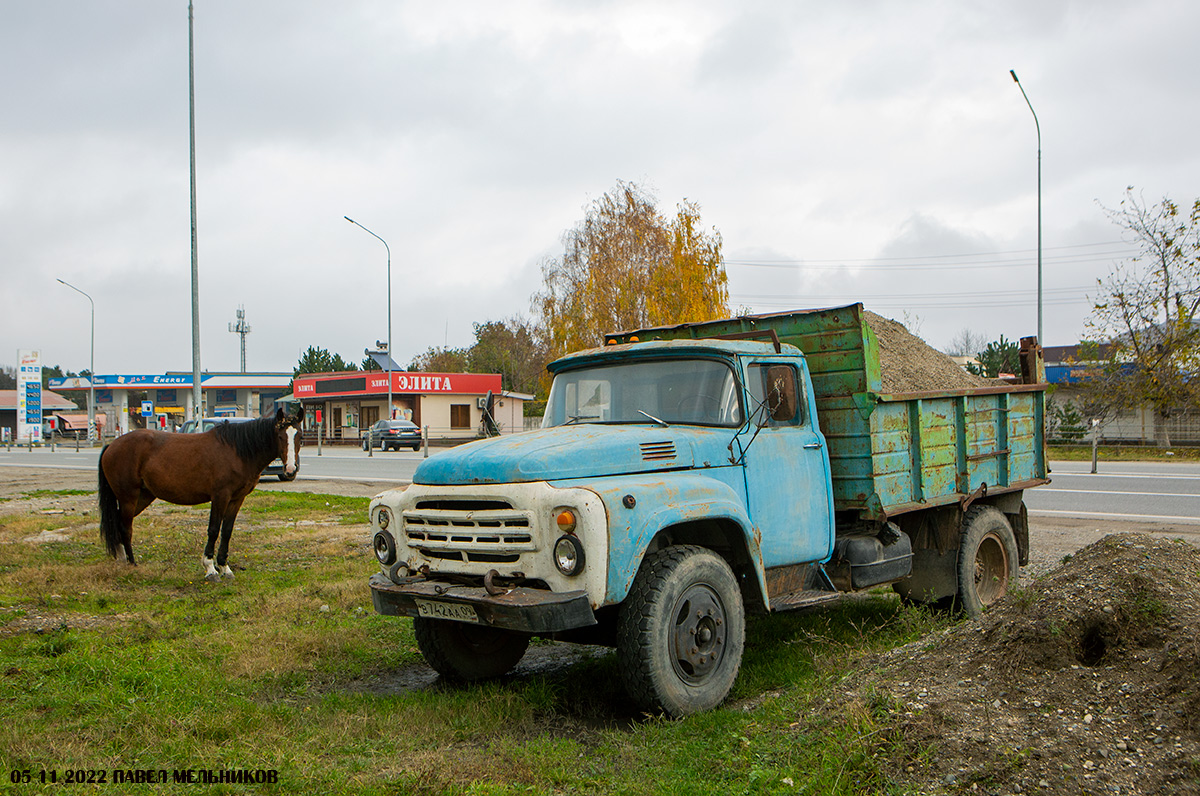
{"x":1167,"y":492}
{"x":393,"y":468}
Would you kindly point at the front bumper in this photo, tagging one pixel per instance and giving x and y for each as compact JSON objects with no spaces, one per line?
{"x":521,"y":608}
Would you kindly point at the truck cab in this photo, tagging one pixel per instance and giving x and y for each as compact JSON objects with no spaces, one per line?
{"x":710,"y":451}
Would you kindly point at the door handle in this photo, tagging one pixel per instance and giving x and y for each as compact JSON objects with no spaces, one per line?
{"x":812,"y":445}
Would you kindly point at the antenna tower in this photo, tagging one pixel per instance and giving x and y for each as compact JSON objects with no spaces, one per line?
{"x":241,"y":328}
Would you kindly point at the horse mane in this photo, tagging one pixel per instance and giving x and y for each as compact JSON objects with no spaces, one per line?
{"x":251,"y":439}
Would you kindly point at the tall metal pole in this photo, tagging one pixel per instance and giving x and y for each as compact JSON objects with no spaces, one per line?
{"x":389,"y":311}
{"x":92,"y":365}
{"x":197,"y":408}
{"x":1041,"y":340}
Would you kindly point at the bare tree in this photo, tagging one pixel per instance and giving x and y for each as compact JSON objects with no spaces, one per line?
{"x":1146,"y":338}
{"x":966,"y":343}
{"x":913,"y":322}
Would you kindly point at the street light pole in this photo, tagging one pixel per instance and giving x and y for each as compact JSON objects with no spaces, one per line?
{"x":389,"y":312}
{"x":92,"y":365}
{"x":197,"y":398}
{"x":1041,"y":340}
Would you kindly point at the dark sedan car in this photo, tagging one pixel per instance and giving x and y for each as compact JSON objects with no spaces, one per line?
{"x":275,"y":468}
{"x":394,"y":435}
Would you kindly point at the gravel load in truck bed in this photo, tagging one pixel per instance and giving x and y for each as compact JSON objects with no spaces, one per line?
{"x":911,"y":365}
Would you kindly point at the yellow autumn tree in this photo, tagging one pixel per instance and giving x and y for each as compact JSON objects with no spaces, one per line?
{"x":625,"y":266}
{"x":692,"y":286}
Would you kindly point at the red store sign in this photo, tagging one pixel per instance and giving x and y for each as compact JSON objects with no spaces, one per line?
{"x":375,"y":383}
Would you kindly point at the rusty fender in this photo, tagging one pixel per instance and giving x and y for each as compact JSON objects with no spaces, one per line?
{"x":664,"y":500}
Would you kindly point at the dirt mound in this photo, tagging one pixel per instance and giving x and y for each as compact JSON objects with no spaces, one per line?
{"x":912,"y":365}
{"x":1087,"y":681}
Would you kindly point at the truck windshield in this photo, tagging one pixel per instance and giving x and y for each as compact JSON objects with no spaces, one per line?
{"x":689,"y":391}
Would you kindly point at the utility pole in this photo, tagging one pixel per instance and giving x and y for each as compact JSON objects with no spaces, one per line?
{"x":242,"y":329}
{"x":1038,"y":126}
{"x":92,"y":364}
{"x":389,"y":311}
{"x":197,"y":402}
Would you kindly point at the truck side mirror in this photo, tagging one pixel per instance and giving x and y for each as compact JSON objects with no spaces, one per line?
{"x":781,"y":392}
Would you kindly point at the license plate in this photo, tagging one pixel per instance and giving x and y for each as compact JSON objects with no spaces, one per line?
{"x":454,"y":611}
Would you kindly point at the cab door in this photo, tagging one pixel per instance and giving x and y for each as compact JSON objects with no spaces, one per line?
{"x":786,"y":466}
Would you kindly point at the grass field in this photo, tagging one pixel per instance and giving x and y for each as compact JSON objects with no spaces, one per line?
{"x":288,"y":672}
{"x":1124,"y":453}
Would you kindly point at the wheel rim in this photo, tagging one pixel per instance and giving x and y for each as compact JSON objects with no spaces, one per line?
{"x":698,"y":634}
{"x":991,"y":569}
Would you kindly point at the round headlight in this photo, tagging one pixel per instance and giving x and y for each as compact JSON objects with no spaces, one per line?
{"x":383,"y":518}
{"x":566,"y":521}
{"x":568,"y":555}
{"x":385,"y":548}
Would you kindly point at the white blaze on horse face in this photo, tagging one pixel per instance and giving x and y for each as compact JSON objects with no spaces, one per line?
{"x":290,"y":464}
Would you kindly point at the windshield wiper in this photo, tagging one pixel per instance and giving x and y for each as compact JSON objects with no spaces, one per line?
{"x":577,"y":418}
{"x":662,"y":423}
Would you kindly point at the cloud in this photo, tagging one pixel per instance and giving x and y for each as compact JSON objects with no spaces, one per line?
{"x":824,"y":139}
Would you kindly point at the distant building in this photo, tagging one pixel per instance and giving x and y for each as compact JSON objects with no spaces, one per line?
{"x":450,"y":405}
{"x":120,"y":396}
{"x":966,"y":363}
{"x":1066,"y":370}
{"x":51,"y":402}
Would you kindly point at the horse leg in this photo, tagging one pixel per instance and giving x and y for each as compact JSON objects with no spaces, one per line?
{"x":215,"y":513}
{"x":226,"y":531}
{"x":129,"y":510}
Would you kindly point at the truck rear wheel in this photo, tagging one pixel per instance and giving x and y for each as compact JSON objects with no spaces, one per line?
{"x":462,"y":651}
{"x":988,"y":559}
{"x":681,"y":631}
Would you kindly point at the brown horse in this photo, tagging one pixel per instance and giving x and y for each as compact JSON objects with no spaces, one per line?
{"x":220,"y":467}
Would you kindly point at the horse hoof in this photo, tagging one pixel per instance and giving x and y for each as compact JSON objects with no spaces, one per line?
{"x":212,"y":577}
{"x":227,"y":574}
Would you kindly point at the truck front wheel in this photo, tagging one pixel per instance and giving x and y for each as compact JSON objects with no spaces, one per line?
{"x":988,"y":559}
{"x":681,"y":630}
{"x":462,"y":651}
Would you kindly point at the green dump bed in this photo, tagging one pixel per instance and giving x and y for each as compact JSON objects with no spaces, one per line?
{"x":892,"y":453}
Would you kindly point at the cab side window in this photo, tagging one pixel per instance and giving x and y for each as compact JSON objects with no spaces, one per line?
{"x":777,"y":394}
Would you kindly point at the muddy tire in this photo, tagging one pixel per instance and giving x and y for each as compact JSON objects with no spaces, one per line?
{"x":465,"y":652}
{"x":681,"y":631}
{"x":988,"y":559}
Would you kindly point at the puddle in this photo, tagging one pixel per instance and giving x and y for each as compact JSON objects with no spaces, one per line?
{"x":540,"y":659}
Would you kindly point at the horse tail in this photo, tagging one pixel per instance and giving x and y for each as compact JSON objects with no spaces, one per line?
{"x":110,"y":511}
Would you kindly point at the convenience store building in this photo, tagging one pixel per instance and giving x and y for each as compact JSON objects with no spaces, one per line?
{"x":447,"y":406}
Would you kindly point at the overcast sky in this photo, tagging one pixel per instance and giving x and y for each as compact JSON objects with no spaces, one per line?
{"x":867,"y":151}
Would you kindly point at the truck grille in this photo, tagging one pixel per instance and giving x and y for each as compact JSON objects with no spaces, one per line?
{"x":462,"y":530}
{"x":656,"y":451}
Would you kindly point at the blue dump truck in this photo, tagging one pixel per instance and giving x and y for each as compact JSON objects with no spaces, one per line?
{"x":686,"y":476}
